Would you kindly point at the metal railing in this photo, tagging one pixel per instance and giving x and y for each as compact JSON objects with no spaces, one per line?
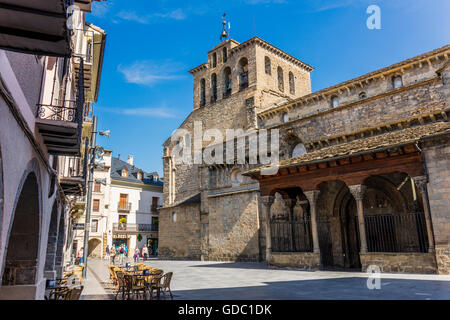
{"x":291,"y":236}
{"x":396,"y":232}
{"x":64,"y":109}
{"x":135,"y":227}
{"x":124,"y":206}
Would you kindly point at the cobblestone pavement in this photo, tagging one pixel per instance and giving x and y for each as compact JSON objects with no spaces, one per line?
{"x":241,"y":280}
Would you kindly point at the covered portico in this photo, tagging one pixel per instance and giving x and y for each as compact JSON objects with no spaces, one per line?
{"x":352,"y":205}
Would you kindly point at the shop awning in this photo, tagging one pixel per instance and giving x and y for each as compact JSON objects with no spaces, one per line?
{"x":36,"y":27}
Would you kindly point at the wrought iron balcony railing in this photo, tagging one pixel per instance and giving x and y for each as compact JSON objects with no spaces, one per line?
{"x":124,"y":206}
{"x":60,"y":120}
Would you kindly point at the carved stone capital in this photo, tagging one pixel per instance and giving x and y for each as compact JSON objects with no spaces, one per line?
{"x":358,"y":191}
{"x":267,"y":201}
{"x":312,"y":196}
{"x":420,"y":182}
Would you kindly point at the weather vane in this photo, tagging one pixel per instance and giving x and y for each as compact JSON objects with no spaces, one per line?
{"x":225,"y":33}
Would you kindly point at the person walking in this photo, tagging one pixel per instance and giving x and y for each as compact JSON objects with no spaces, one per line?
{"x":136,"y":255}
{"x":80,"y":255}
{"x":112,"y":255}
{"x":107,"y":252}
{"x":122,"y":253}
{"x":145,"y":252}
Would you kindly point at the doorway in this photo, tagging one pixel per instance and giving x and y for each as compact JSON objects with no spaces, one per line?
{"x":350,"y":233}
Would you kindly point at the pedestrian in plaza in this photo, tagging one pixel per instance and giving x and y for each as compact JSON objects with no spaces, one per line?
{"x":107,"y":252}
{"x":80,"y":255}
{"x":122,"y":252}
{"x":112,"y":255}
{"x":145,"y":252}
{"x":136,"y":255}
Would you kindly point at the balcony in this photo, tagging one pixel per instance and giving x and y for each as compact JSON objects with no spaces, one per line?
{"x":60,"y":121}
{"x":136,"y":228}
{"x":72,"y":177}
{"x":123,"y":206}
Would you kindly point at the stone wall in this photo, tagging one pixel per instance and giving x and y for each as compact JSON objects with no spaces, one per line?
{"x":301,"y":260}
{"x":400,"y":262}
{"x":180,"y":239}
{"x":233,"y":227}
{"x":437,"y":157}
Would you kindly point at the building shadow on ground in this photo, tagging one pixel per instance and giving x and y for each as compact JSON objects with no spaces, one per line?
{"x":349,"y":288}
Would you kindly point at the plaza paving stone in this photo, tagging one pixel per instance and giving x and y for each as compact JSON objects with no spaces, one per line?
{"x":194,"y":280}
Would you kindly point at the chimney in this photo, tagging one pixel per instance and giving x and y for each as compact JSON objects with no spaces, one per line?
{"x":118,"y":156}
{"x":130,"y":159}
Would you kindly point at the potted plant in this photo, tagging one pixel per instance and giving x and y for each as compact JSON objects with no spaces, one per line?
{"x":122,"y":223}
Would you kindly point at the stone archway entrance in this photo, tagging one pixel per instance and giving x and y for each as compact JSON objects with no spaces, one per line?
{"x":23,"y":243}
{"x":95,"y":248}
{"x":349,"y":232}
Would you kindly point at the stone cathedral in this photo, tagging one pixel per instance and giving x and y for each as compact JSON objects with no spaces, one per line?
{"x":364,"y":171}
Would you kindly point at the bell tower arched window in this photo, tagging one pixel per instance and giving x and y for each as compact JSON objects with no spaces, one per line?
{"x":224,"y":55}
{"x":243,"y":74}
{"x":267,"y":66}
{"x":213,"y":87}
{"x":280,"y":79}
{"x":397,"y":82}
{"x":227,"y":82}
{"x":214,"y":60}
{"x":202,"y":93}
{"x":291,"y":83}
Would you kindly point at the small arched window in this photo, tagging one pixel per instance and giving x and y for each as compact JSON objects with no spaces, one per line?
{"x":213,"y":87}
{"x":236,"y":177}
{"x":267,"y":65}
{"x":214,"y":59}
{"x":362,"y":95}
{"x":202,"y":92}
{"x":285,"y":117}
{"x":334,"y":102}
{"x":280,"y":79}
{"x":397,"y":82}
{"x":174,"y":217}
{"x":243,"y":74}
{"x":124,"y":173}
{"x":227,"y":82}
{"x":291,"y":83}
{"x":299,"y":150}
{"x":224,"y":55}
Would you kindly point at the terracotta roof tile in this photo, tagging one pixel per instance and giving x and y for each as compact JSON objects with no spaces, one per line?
{"x":365,"y":145}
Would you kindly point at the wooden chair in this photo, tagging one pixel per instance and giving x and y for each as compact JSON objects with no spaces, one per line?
{"x":165,"y":285}
{"x":122,"y":286}
{"x":74,"y":294}
{"x":137,"y":285}
{"x":58,"y":293}
{"x":154,"y":282}
{"x":112,"y":275}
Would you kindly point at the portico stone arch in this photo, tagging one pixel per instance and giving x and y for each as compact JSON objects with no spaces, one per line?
{"x":21,"y":259}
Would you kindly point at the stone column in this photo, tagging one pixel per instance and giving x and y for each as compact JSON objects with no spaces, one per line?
{"x":358,"y":192}
{"x":266,"y":204}
{"x":421,"y":183}
{"x":312,"y":198}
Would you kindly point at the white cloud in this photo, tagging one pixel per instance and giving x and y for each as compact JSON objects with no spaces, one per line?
{"x":177,"y":14}
{"x":159,"y":112}
{"x":100,"y":9}
{"x":149,"y":72}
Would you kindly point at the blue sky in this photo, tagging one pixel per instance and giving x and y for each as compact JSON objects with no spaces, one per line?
{"x":146,"y":92}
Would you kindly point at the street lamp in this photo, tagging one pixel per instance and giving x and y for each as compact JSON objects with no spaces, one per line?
{"x":95,"y":161}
